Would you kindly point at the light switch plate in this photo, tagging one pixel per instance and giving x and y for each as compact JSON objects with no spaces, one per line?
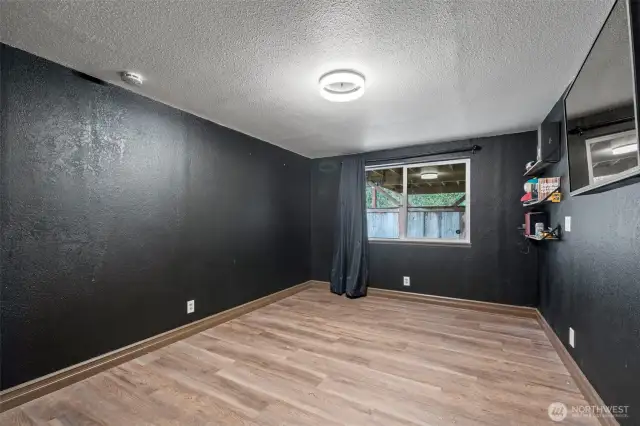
{"x":572,"y":337}
{"x":567,"y":223}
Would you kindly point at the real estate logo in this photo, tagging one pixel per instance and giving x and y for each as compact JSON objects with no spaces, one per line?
{"x":557,"y":411}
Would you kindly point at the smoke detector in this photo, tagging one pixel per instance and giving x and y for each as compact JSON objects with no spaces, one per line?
{"x":341,"y":85}
{"x":131,"y":78}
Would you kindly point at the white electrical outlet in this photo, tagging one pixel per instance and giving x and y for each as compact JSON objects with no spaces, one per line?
{"x":567,"y":223}
{"x":572,"y":337}
{"x":406,"y":281}
{"x":191,"y":306}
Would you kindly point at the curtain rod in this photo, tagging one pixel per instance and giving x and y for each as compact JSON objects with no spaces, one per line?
{"x":473,"y":149}
{"x":580,"y":130}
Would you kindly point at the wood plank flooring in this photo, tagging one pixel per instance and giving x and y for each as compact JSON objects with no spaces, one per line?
{"x":319,"y":359}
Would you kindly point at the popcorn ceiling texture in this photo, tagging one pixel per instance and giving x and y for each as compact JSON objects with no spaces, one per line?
{"x":436,"y":70}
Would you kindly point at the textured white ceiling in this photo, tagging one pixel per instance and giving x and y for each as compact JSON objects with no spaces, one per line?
{"x":436,"y":70}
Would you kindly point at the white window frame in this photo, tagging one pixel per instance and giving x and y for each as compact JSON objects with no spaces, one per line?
{"x":404,"y":208}
{"x":605,"y":138}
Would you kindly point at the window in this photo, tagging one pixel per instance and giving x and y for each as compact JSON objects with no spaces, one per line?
{"x":611,"y":155}
{"x":419,"y":202}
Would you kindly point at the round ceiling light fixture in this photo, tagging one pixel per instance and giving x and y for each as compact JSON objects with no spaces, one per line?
{"x":342,"y":85}
{"x":429,"y":176}
{"x":429,"y":173}
{"x":132,"y":78}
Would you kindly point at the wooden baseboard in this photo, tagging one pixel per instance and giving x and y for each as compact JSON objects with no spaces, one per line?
{"x":451,"y":302}
{"x":41,"y":386}
{"x":494,"y":308}
{"x":578,"y":376}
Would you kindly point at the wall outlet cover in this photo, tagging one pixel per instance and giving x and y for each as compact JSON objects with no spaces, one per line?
{"x":572,"y":337}
{"x":191,"y":306}
{"x":406,"y":281}
{"x":567,"y":223}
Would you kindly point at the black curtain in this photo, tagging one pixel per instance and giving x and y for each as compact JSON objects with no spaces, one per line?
{"x":350,"y":268}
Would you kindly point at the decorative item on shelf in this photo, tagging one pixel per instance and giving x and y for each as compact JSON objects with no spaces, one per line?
{"x":540,"y":190}
{"x":531,"y":191}
{"x":547,"y":186}
{"x":541,"y":233}
{"x":546,"y":234}
{"x":535,"y":222}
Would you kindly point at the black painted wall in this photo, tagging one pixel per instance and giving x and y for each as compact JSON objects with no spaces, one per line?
{"x":590,"y":281}
{"x":492,"y":269}
{"x":117,"y":209}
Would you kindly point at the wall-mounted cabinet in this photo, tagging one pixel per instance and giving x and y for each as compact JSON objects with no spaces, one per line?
{"x":548,"y":146}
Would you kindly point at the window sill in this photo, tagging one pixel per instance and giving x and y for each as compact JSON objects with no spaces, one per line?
{"x":440,"y":243}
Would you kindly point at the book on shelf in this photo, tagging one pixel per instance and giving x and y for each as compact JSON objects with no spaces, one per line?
{"x":547,"y":186}
{"x":541,"y":189}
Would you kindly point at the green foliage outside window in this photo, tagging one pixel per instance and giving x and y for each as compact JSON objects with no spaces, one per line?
{"x":445,"y":199}
{"x":390,"y":199}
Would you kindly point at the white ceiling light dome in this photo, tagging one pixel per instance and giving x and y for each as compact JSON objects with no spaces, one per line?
{"x":429,"y":176}
{"x":342,"y":85}
{"x":429,"y":173}
{"x":625,"y":149}
{"x":132,"y":78}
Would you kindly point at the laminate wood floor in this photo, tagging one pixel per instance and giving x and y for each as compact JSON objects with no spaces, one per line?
{"x":319,"y":359}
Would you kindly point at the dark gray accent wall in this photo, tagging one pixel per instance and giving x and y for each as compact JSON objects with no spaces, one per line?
{"x":493,"y":268}
{"x":590,"y":281}
{"x":117,"y":209}
{"x":1,"y":207}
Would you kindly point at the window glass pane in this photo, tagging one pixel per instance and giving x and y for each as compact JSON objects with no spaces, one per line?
{"x":383,"y":224}
{"x":436,"y":198}
{"x":611,"y":155}
{"x":384,"y":202}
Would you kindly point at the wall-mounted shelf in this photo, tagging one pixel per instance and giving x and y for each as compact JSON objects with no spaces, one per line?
{"x":547,"y":199}
{"x":533,"y":237}
{"x":554,"y":234}
{"x":537,"y":167}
